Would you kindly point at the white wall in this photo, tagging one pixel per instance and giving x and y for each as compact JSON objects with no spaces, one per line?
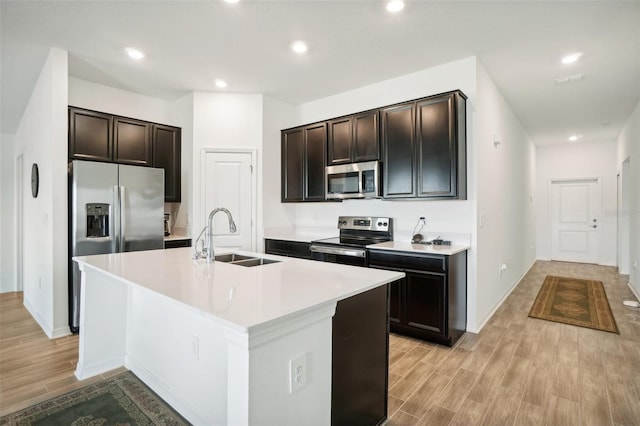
{"x":42,"y":138}
{"x":577,"y":160}
{"x":223,"y":120}
{"x":629,"y":148}
{"x":89,"y":95}
{"x":7,"y":214}
{"x":505,"y":212}
{"x":182,"y":116}
{"x":277,"y":116}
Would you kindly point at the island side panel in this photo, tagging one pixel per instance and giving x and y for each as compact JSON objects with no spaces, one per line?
{"x":180,"y":353}
{"x":103,"y":323}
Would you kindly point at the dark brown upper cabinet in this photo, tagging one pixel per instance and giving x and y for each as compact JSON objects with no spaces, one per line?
{"x":353,"y":139}
{"x":303,"y":163}
{"x":292,"y":151}
{"x":99,"y":136}
{"x":398,"y":147}
{"x":166,"y":155}
{"x":90,"y":135}
{"x":424,"y":148}
{"x":131,"y":142}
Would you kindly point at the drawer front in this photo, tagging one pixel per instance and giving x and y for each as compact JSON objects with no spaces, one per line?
{"x":288,"y":248}
{"x":404,"y":260}
{"x":177,"y":243}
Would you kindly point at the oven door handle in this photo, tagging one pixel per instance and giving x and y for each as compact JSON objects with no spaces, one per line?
{"x":338,"y":251}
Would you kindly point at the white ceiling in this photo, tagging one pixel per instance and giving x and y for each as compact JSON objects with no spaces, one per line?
{"x":351,"y":44}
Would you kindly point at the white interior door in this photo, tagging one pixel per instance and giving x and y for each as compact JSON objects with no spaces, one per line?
{"x":575,"y":220}
{"x":229,"y":183}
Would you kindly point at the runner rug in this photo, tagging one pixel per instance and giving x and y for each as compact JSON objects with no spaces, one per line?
{"x":119,"y":400}
{"x":574,"y":301}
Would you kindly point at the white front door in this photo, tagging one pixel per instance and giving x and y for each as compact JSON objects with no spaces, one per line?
{"x":229,"y":183}
{"x":575,"y":220}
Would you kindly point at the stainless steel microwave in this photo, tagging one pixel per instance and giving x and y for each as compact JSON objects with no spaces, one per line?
{"x":353,"y":180}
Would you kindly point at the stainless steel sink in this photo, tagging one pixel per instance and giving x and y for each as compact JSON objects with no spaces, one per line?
{"x":255,"y":262}
{"x":242,"y":260}
{"x":231,"y":257}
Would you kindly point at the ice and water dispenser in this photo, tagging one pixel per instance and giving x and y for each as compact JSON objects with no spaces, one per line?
{"x":97,"y":220}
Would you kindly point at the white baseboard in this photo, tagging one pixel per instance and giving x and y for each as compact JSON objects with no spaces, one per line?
{"x":48,"y":330}
{"x":86,"y":371}
{"x":61,"y":332}
{"x":633,"y":290}
{"x":158,"y":386}
{"x":507,"y":294}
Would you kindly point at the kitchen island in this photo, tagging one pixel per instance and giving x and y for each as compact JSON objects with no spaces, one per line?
{"x":220,"y":342}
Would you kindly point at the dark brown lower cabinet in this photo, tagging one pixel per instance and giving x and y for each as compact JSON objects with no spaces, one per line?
{"x":360,"y":359}
{"x":169,"y":244}
{"x":430,"y":303}
{"x":287,"y":248}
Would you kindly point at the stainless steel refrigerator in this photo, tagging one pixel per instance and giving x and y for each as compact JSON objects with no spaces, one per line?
{"x":113,"y":208}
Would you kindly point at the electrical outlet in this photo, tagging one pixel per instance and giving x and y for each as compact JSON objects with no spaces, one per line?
{"x":297,"y":373}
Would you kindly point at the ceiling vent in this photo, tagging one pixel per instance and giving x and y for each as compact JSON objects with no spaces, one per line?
{"x":575,"y":78}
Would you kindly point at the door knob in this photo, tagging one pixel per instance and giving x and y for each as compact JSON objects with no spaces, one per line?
{"x":594,"y":226}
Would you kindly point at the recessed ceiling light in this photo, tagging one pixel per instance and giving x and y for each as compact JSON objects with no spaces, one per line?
{"x":299,"y":46}
{"x":571,"y":58}
{"x":134,"y":53}
{"x":575,"y":138}
{"x":220,"y":83}
{"x":232,"y":1}
{"x":395,"y":5}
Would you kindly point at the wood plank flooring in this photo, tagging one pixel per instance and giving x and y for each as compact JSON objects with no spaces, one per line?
{"x":524,"y":371}
{"x":33,"y":368}
{"x":516,"y":371}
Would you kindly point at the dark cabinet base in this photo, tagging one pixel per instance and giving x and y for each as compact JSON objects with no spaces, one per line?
{"x":287,"y":248}
{"x":430,"y":303}
{"x":360,"y":359}
{"x":169,"y":244}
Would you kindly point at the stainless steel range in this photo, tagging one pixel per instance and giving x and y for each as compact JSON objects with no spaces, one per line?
{"x":356,"y":232}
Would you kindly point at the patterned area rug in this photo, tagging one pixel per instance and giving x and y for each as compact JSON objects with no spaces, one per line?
{"x":574,"y":301}
{"x":120,"y":400}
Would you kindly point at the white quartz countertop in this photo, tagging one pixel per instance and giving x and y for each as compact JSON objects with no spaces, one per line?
{"x":418,"y":248}
{"x":242,"y":297}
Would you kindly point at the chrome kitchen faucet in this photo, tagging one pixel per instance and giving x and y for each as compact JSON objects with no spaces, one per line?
{"x":232,"y":228}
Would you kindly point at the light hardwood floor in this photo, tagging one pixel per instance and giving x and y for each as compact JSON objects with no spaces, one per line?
{"x":33,"y":368}
{"x":524,"y":371}
{"x":517,"y":371}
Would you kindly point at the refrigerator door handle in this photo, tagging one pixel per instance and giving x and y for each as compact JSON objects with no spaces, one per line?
{"x":122,"y":221}
{"x":117,"y":227}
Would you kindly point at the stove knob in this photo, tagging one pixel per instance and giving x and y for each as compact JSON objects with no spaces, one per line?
{"x":379,"y":223}
{"x":385,"y":224}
